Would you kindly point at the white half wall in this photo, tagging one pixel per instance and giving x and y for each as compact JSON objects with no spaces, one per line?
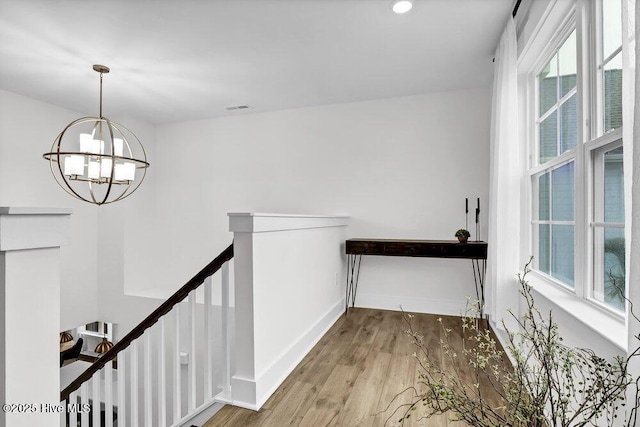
{"x":30,"y":241}
{"x":289,"y":292}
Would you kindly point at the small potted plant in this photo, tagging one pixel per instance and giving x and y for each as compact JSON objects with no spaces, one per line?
{"x":463,"y":235}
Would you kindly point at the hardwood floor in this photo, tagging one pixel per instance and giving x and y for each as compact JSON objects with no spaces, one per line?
{"x":350,"y":377}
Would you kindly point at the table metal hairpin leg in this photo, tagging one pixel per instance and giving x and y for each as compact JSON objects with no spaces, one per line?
{"x":479,"y":272}
{"x":353,"y":274}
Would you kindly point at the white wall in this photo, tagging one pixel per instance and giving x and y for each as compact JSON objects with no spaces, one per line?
{"x":27,"y":130}
{"x":126,"y":231}
{"x":399,"y":167}
{"x":102,"y":238}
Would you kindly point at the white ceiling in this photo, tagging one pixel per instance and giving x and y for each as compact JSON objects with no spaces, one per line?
{"x":177,"y":60}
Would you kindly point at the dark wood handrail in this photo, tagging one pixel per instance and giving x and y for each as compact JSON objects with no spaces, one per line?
{"x":151,"y":319}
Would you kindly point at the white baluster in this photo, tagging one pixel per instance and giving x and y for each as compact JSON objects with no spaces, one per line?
{"x":84,"y":400}
{"x":208,"y":339}
{"x":148,"y":387}
{"x":162,"y":375}
{"x":95,"y":396}
{"x":177,"y":404}
{"x":122,"y":407}
{"x":108,"y":394}
{"x":226,"y":332}
{"x":134,"y":383}
{"x":64,"y":414}
{"x":191,"y":392}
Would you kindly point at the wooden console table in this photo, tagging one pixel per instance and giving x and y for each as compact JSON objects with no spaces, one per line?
{"x":355,"y":248}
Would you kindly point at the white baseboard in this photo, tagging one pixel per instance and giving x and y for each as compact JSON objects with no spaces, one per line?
{"x":411,"y":304}
{"x":201,"y":415}
{"x":252,"y":394}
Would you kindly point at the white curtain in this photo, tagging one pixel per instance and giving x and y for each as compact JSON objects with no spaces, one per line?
{"x":504,"y":196}
{"x":631,"y":143}
{"x":629,"y":99}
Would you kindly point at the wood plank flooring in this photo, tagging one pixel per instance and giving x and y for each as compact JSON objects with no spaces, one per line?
{"x":350,"y":377}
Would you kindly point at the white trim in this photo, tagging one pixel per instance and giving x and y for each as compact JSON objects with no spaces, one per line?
{"x":607,"y":224}
{"x":605,"y":139}
{"x":13,"y":210}
{"x":594,"y":316}
{"x":563,"y":159}
{"x":267,"y":381}
{"x":550,"y":222}
{"x":610,"y":57}
{"x":245,"y":222}
{"x":31,"y":228}
{"x":201,"y":414}
{"x":595,"y":230}
{"x":553,"y":17}
{"x":560,"y":35}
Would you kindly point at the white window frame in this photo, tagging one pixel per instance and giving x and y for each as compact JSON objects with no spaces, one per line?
{"x":585,"y":18}
{"x":596,"y":148}
{"x":536,"y":169}
{"x":597,"y":65}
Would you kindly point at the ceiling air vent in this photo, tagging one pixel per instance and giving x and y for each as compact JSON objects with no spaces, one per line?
{"x":237,"y":107}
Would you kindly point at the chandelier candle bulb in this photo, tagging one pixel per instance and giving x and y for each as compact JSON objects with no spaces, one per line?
{"x":117,"y":146}
{"x":74,"y":165}
{"x":93,"y":170}
{"x":125,"y":171}
{"x":105,"y":168}
{"x":86,"y":143}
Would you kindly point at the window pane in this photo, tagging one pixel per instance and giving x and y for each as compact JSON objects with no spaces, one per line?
{"x":612,"y":93}
{"x":613,"y":186}
{"x":548,"y":85}
{"x":562,"y":263}
{"x":543,"y":248}
{"x":562,"y":190}
{"x":568,"y":125}
{"x":549,"y":137}
{"x":608,"y":240}
{"x":543,"y":197}
{"x":614,"y":264}
{"x":611,"y":26}
{"x":567,"y":61}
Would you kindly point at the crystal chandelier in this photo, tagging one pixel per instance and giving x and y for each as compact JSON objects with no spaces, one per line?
{"x":97,"y":160}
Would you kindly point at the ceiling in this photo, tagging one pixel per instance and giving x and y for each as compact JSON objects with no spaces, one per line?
{"x":184,"y":60}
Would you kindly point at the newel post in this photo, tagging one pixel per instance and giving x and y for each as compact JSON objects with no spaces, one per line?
{"x":30,"y":240}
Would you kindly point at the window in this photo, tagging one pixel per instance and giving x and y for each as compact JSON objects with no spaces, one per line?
{"x":557,"y":131}
{"x":577,"y":157}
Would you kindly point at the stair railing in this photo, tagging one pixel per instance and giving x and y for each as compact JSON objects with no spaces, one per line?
{"x":98,"y":398}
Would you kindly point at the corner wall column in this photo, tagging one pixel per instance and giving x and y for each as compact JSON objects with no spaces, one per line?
{"x":30,"y":240}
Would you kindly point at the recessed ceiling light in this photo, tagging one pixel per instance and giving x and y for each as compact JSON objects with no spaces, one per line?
{"x":401,"y":6}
